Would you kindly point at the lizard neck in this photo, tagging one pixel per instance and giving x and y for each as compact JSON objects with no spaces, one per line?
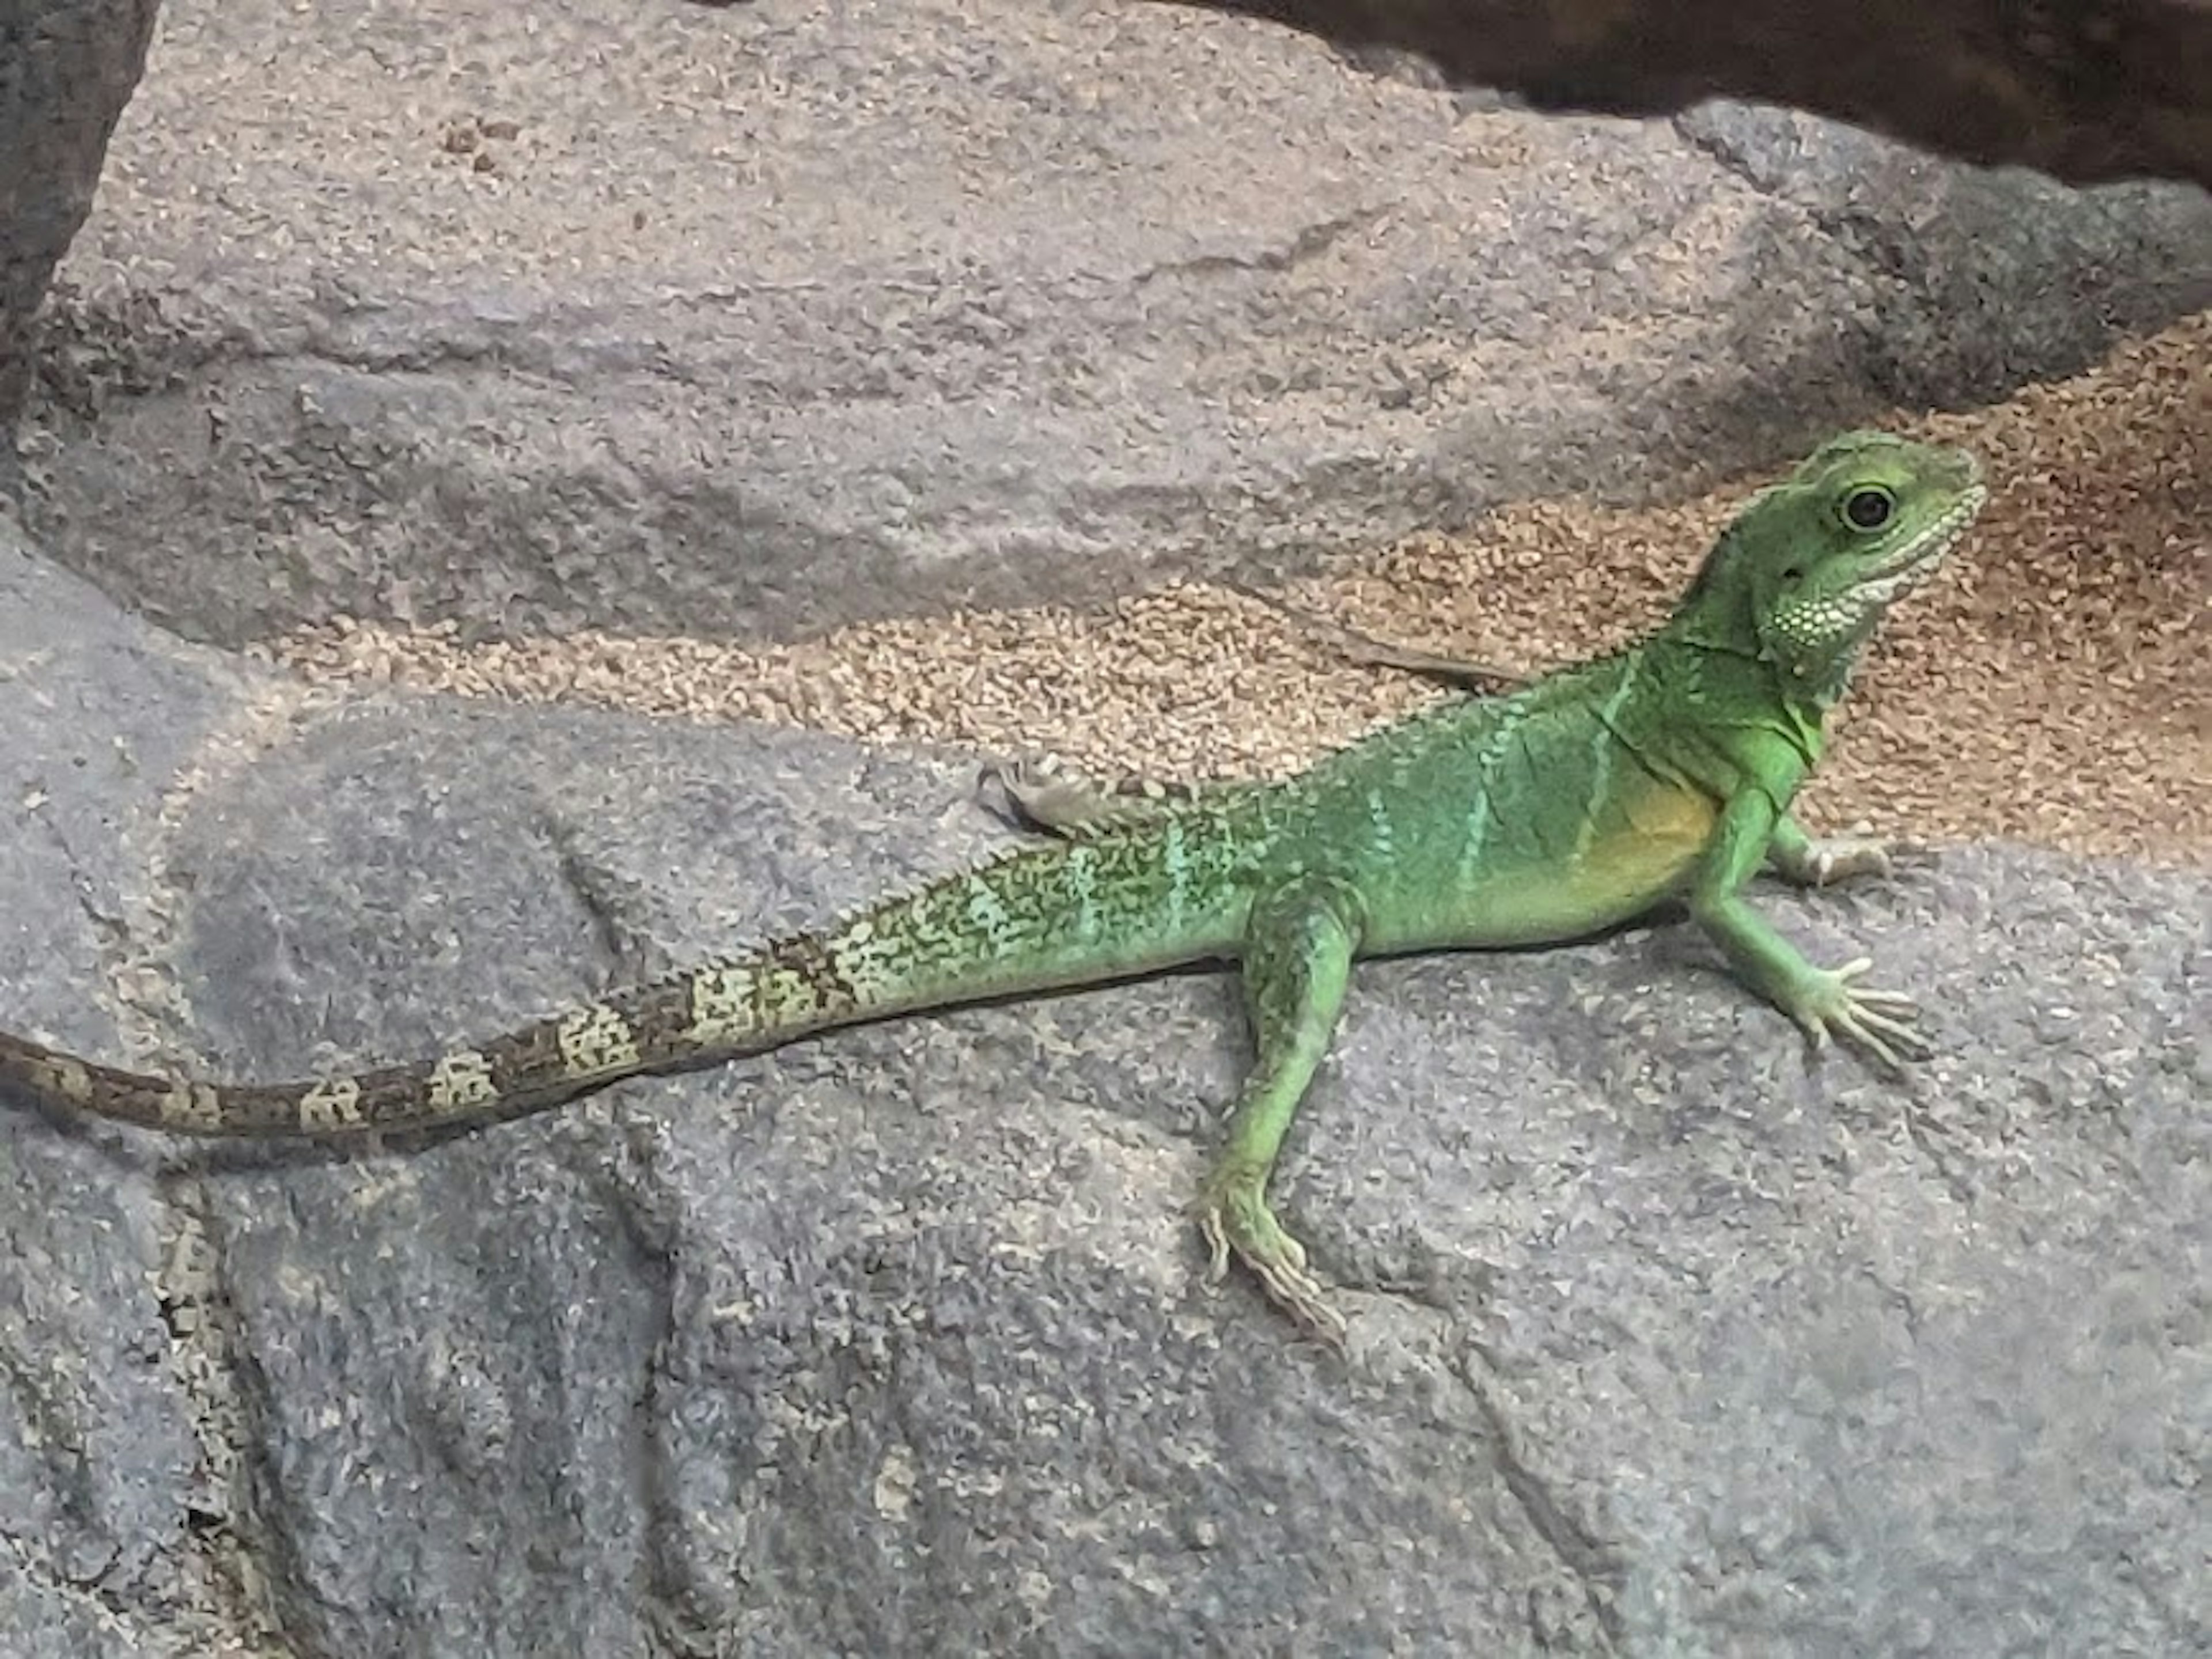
{"x":1719,"y":616}
{"x":1720,"y":682}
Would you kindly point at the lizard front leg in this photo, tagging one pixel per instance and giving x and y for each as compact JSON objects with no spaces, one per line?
{"x":1824,"y":1001}
{"x":1297,"y":963}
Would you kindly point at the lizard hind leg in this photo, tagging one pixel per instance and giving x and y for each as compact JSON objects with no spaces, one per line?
{"x":1296,"y":962}
{"x":1044,"y":793}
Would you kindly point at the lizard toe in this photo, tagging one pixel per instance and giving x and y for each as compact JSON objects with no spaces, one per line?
{"x":1236,"y":1219}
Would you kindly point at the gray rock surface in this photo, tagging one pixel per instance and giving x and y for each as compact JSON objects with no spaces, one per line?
{"x":1665,"y":1342}
{"x":2085,"y":91}
{"x":782,"y":315}
{"x":97,"y":1443}
{"x":66,"y":69}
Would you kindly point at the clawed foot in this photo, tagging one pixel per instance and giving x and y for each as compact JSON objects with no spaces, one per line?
{"x":1832,"y":859}
{"x":1012,"y":791}
{"x":1827,"y":859}
{"x":1046,"y":794}
{"x":1235,"y":1219}
{"x":1883,"y":1023}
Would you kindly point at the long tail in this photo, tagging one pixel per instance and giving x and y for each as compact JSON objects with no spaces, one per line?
{"x":1131,"y":902}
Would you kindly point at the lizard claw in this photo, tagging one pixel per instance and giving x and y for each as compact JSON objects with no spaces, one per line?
{"x":1009,"y":790}
{"x":1840,"y":858}
{"x":1883,"y":1023}
{"x":1824,"y":860}
{"x":1047,"y":795}
{"x":1217,"y":1245}
{"x":1235,"y":1219}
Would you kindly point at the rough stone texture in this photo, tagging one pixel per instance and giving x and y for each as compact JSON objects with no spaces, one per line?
{"x":2085,"y":91}
{"x":895,"y":1343}
{"x":96,"y":1440}
{"x":787,"y":315}
{"x":66,"y":69}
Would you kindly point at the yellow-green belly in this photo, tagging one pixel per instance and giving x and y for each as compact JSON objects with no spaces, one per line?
{"x":1513,"y":890}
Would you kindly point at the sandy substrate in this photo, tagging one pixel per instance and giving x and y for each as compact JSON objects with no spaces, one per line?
{"x":2052,"y":686}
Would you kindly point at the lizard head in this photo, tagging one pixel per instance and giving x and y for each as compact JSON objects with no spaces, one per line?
{"x":1816,"y":561}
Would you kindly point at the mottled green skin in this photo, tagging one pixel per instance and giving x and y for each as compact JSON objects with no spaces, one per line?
{"x":1664,"y":771}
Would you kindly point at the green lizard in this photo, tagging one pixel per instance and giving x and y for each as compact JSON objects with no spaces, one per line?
{"x":1045,"y":793}
{"x":1665,"y":770}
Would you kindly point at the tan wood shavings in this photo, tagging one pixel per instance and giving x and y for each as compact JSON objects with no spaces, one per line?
{"x":2052,"y":686}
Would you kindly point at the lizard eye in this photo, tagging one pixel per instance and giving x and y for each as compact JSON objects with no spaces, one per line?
{"x":1868,"y":507}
